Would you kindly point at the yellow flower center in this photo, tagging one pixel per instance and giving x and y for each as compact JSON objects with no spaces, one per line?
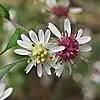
{"x":39,"y":53}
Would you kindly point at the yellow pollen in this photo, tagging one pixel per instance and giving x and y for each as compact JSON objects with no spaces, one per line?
{"x":38,"y":57}
{"x":53,"y":59}
{"x":45,"y":52}
{"x":42,"y":60}
{"x":39,"y":53}
{"x":38,"y":61}
{"x":42,"y":55}
{"x":40,"y":50}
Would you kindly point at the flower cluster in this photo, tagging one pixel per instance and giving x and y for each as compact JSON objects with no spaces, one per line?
{"x":41,"y":51}
{"x":44,"y":54}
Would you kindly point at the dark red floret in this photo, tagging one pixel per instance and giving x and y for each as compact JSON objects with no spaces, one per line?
{"x":71,"y":48}
{"x":60,"y":11}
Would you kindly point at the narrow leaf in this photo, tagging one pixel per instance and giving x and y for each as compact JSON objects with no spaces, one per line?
{"x":6,"y":69}
{"x":4,"y":12}
{"x":13,"y":40}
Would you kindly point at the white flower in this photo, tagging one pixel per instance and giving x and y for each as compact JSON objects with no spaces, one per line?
{"x":62,"y":8}
{"x":73,"y":44}
{"x":4,"y":93}
{"x":39,"y":50}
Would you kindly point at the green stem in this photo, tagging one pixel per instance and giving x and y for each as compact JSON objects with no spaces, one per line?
{"x":18,"y":61}
{"x":19,"y":26}
{"x":6,"y":69}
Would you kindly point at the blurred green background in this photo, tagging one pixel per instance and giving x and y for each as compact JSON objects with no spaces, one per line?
{"x":84,"y":83}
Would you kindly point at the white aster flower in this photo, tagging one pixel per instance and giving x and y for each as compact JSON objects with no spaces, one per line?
{"x":62,"y":8}
{"x":39,"y":50}
{"x":4,"y":93}
{"x":73,"y":44}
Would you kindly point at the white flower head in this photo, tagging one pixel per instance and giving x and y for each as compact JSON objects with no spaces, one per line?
{"x":62,"y":8}
{"x":73,"y":44}
{"x":39,"y":50}
{"x":4,"y":93}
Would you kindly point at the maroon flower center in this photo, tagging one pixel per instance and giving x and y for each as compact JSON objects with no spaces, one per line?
{"x":71,"y":48}
{"x":60,"y":11}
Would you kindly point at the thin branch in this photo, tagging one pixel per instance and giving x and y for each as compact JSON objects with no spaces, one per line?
{"x":19,"y":26}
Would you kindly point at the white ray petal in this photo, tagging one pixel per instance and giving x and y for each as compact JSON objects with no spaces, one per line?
{"x":47,"y":68}
{"x":25,"y":39}
{"x":51,"y":3}
{"x":2,"y":87}
{"x":79,"y":34}
{"x":59,"y":71}
{"x":33,"y":36}
{"x":29,"y":67}
{"x":85,"y":48}
{"x":67,"y":26}
{"x":6,"y":93}
{"x":84,"y":39}
{"x":54,"y":30}
{"x":22,"y":52}
{"x":57,"y":49}
{"x":24,"y":44}
{"x":47,"y":35}
{"x":49,"y":45}
{"x":53,"y":64}
{"x":75,"y":10}
{"x":39,"y":70}
{"x":41,"y":36}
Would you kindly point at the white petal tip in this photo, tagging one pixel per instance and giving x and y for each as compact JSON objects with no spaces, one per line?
{"x":54,"y":30}
{"x":26,"y":72}
{"x":49,"y":24}
{"x":22,"y":35}
{"x":66,"y":19}
{"x":11,"y":89}
{"x":31,"y":31}
{"x":40,"y":76}
{"x":67,"y":26}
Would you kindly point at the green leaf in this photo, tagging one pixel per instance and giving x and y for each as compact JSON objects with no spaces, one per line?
{"x":6,"y":69}
{"x":13,"y":40}
{"x":4,"y":12}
